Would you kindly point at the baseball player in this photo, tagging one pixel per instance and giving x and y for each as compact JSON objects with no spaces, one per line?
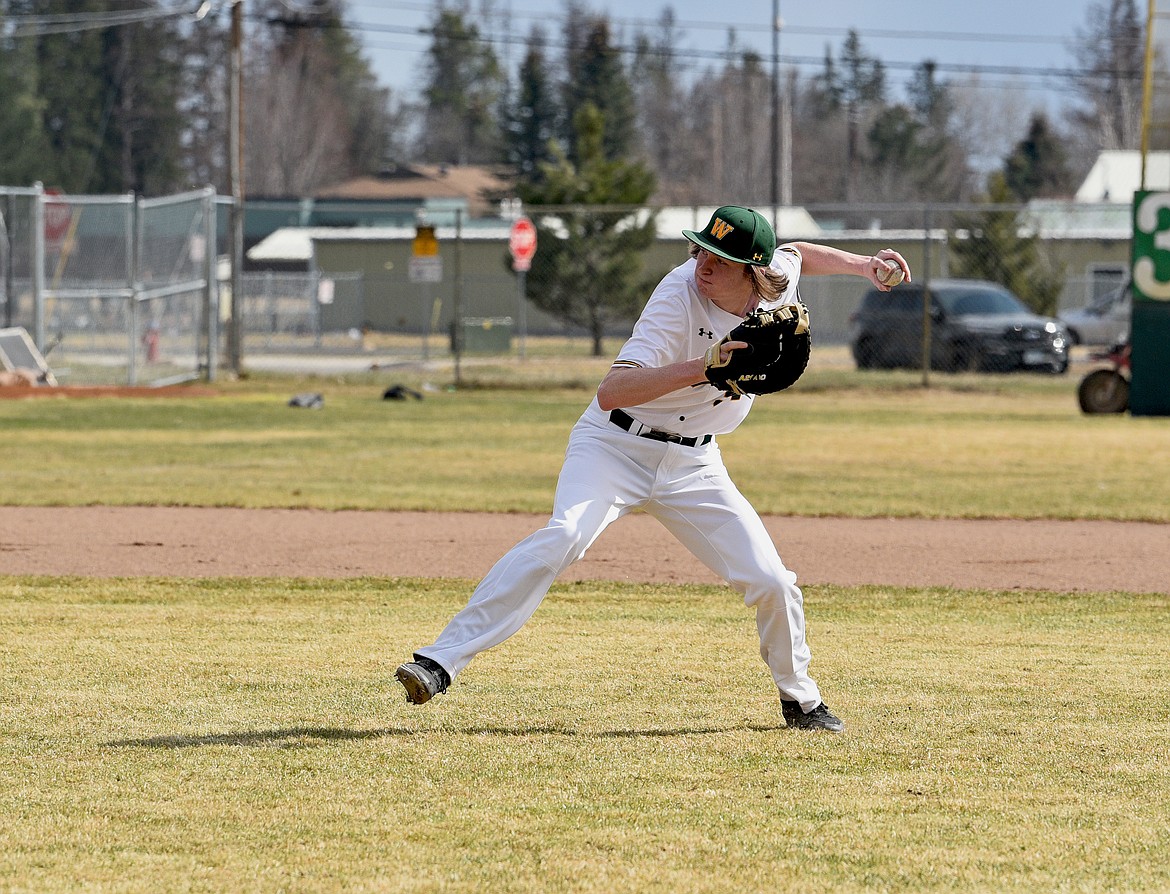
{"x":648,"y":441}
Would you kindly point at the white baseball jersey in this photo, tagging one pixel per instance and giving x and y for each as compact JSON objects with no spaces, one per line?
{"x":680,"y":324}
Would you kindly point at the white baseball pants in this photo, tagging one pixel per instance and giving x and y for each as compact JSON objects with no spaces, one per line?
{"x":607,"y":473}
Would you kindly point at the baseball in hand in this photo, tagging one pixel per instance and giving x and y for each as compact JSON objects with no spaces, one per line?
{"x":892,"y":275}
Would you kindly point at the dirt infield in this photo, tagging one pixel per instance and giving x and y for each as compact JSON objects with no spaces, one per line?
{"x":10,"y":391}
{"x":190,"y":542}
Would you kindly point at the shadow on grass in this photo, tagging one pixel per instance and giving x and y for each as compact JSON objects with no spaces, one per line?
{"x":313,"y":736}
{"x":290,"y":737}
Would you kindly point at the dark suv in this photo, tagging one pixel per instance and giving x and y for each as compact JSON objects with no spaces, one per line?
{"x":974,"y":325}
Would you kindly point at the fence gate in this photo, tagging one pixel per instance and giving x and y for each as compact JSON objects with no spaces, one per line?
{"x":113,"y":288}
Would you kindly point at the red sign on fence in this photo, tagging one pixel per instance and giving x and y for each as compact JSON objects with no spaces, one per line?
{"x":522,"y":244}
{"x":58,"y":216}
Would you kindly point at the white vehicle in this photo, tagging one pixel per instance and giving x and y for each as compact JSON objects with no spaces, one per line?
{"x":1103,"y":322}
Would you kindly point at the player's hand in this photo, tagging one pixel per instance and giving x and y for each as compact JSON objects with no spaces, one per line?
{"x":885,"y":267}
{"x":719,"y":354}
{"x":725,"y":349}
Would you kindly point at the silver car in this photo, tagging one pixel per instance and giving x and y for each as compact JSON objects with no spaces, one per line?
{"x":1105,"y":321}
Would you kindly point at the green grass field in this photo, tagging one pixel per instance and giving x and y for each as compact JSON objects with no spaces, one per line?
{"x":840,"y":444}
{"x":247,"y":735}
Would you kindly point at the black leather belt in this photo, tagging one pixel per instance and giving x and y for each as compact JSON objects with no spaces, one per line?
{"x":627,"y":422}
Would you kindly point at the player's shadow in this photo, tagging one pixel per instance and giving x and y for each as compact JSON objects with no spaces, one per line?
{"x":315,"y":736}
{"x":688,"y":731}
{"x":287,"y":737}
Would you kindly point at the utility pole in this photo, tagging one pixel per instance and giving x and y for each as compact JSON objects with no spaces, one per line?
{"x":236,"y":165}
{"x":775,"y":113}
{"x":1147,"y":86}
{"x":786,"y":141}
{"x":781,"y":126}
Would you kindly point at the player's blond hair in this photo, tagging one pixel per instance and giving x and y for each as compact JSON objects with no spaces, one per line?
{"x":767,"y":284}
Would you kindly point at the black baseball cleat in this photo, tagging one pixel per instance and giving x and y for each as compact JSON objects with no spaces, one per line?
{"x":422,"y":679}
{"x":819,"y":717}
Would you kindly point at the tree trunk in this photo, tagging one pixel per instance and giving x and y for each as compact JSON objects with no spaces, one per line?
{"x":598,"y":347}
{"x":597,"y":330}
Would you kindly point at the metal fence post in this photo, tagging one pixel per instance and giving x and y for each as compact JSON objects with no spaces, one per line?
{"x":236,"y":175}
{"x":5,"y":264}
{"x":134,"y":255}
{"x":926,"y":319}
{"x":315,"y":302}
{"x":210,"y":329}
{"x":458,"y":302}
{"x":522,"y":311}
{"x":38,"y":271}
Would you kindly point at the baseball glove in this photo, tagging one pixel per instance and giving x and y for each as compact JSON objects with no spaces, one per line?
{"x":779,"y":342}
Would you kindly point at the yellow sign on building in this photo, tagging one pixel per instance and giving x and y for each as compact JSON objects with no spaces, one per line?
{"x":425,"y":244}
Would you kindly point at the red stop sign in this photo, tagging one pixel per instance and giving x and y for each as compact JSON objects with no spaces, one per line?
{"x":58,"y":215}
{"x":522,"y":243}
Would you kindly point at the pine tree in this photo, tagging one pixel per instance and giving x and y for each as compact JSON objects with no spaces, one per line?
{"x":204,"y":104}
{"x":911,"y":151}
{"x":594,"y":75}
{"x":854,"y":89}
{"x":1037,"y":166}
{"x":863,"y":86}
{"x":145,"y":123}
{"x":95,"y":110}
{"x":366,"y":103}
{"x":462,"y":94}
{"x":23,"y":141}
{"x":941,"y":172}
{"x":531,"y":120}
{"x":895,"y":148}
{"x":995,"y":248}
{"x":77,"y":95}
{"x":588,"y":268}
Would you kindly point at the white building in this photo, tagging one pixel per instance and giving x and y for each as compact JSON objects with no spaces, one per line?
{"x":1117,"y":175}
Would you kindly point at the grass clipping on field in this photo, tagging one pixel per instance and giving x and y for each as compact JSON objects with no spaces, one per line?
{"x":248,"y":736}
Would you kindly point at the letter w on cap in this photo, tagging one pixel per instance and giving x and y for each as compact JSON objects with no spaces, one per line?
{"x":720,"y":228}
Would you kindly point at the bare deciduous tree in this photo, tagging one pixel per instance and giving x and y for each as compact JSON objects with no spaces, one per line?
{"x":987,"y":122}
{"x":296,"y":131}
{"x":1111,"y":52}
{"x":661,"y":104}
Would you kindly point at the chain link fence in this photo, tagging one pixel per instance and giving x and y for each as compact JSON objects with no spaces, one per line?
{"x":138,"y":290}
{"x":1054,"y":256}
{"x":113,"y":288}
{"x":303,"y":313}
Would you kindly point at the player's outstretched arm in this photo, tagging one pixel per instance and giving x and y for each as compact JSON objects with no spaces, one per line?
{"x":825,"y":260}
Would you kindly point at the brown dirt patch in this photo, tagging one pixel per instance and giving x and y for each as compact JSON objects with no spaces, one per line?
{"x":208,"y":542}
{"x":22,"y":392}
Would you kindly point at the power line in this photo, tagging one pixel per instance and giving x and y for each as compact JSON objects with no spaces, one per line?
{"x":766,"y":27}
{"x":1050,"y":78}
{"x":83,"y":18}
{"x":1013,"y":71}
{"x":1039,"y":77}
{"x":74,"y":23}
{"x":1009,"y":80}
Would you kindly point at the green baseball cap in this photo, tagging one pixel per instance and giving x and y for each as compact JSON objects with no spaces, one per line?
{"x":738,"y":234}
